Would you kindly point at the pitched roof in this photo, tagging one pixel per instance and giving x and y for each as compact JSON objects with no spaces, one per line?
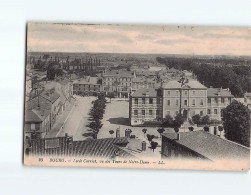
{"x":210,"y":146}
{"x":102,"y":148}
{"x":50,"y":95}
{"x":151,"y":92}
{"x":87,"y":81}
{"x":218,"y":92}
{"x":191,"y":84}
{"x":30,"y":116}
{"x":118,"y":73}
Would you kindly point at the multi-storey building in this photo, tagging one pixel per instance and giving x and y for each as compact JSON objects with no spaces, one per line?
{"x":87,"y":86}
{"x":189,"y":98}
{"x":145,"y":105}
{"x":141,"y":83}
{"x":217,"y":99}
{"x":118,"y":81}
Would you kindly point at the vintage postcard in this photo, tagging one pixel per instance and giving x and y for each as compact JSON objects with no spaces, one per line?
{"x":137,"y":96}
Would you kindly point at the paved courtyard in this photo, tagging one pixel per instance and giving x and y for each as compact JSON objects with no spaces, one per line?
{"x":117,"y":116}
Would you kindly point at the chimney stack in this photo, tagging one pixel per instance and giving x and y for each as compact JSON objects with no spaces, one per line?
{"x":143,"y":146}
{"x":117,"y":132}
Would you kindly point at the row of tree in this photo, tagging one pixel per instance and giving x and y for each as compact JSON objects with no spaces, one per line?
{"x":96,"y":114}
{"x":235,"y":77}
{"x":176,"y":122}
{"x":204,"y":120}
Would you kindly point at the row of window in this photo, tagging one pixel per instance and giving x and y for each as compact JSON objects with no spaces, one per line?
{"x":185,"y":92}
{"x":209,"y":111}
{"x":185,"y":102}
{"x":216,"y":100}
{"x":136,"y":100}
{"x":143,"y":112}
{"x":118,"y":79}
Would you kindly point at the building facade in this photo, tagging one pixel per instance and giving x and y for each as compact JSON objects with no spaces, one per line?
{"x":217,"y":99}
{"x":189,"y":98}
{"x":87,"y":86}
{"x":145,"y":105}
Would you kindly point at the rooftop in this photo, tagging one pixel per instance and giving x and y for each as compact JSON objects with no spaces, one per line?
{"x":118,"y":73}
{"x":210,"y":146}
{"x":190,"y":84}
{"x":216,"y":92}
{"x":151,"y":92}
{"x":87,"y":81}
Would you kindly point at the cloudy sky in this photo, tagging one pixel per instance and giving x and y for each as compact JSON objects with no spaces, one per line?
{"x":139,"y":39}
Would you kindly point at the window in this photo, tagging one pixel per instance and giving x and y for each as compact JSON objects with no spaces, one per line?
{"x":193,"y":102}
{"x":208,"y":111}
{"x":136,"y":100}
{"x":150,"y":112}
{"x":201,"y":102}
{"x":32,"y":126}
{"x":168,"y":102}
{"x":215,"y":111}
{"x":143,"y":100}
{"x":177,"y":102}
{"x":222,"y":100}
{"x":157,"y":112}
{"x":216,"y":100}
{"x":185,"y":102}
{"x":143,"y":112}
{"x":177,"y":92}
{"x":209,"y":100}
{"x":193,"y":92}
{"x":201,"y":113}
{"x":151,"y":101}
{"x":158,"y":100}
{"x":135,"y":112}
{"x":185,"y":92}
{"x":168,"y":92}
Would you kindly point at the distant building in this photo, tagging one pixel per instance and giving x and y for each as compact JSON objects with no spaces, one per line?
{"x":201,"y":145}
{"x":119,"y":82}
{"x":145,"y":105}
{"x":217,"y":99}
{"x":87,"y":86}
{"x":143,"y":83}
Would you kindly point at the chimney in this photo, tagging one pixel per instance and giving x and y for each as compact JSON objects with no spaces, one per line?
{"x":117,"y":132}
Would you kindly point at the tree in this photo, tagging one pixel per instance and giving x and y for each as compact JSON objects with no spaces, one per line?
{"x":176,"y":129}
{"x":150,"y":137}
{"x":205,"y":120}
{"x":111,"y":132}
{"x":168,"y":121}
{"x":236,"y":122}
{"x":206,"y":128}
{"x":154,"y":145}
{"x":220,"y":128}
{"x":144,"y":131}
{"x":190,"y":128}
{"x":111,"y":95}
{"x":179,"y":120}
{"x":160,"y":130}
{"x":196,"y":119}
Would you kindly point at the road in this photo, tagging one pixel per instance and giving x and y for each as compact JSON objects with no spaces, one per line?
{"x":75,"y":123}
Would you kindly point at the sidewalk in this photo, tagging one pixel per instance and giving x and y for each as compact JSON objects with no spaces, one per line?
{"x":60,"y":120}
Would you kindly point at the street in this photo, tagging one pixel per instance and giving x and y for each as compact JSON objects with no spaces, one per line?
{"x":75,"y":123}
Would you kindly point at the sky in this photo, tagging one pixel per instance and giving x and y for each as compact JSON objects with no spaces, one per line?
{"x":189,"y":40}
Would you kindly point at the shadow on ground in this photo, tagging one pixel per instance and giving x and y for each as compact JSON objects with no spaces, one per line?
{"x":119,"y":121}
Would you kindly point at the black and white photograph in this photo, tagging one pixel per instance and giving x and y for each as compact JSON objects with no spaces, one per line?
{"x":137,"y":96}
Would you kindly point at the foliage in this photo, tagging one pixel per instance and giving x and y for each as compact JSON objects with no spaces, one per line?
{"x":179,"y":120}
{"x":236,"y":122}
{"x":144,"y":130}
{"x":160,"y":130}
{"x":149,"y":137}
{"x":206,"y":128}
{"x":96,"y":114}
{"x":110,"y":95}
{"x":205,"y":120}
{"x":176,"y":129}
{"x":232,"y":73}
{"x":196,"y":119}
{"x":168,"y":121}
{"x":190,"y":128}
{"x":111,"y":132}
{"x":154,"y":145}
